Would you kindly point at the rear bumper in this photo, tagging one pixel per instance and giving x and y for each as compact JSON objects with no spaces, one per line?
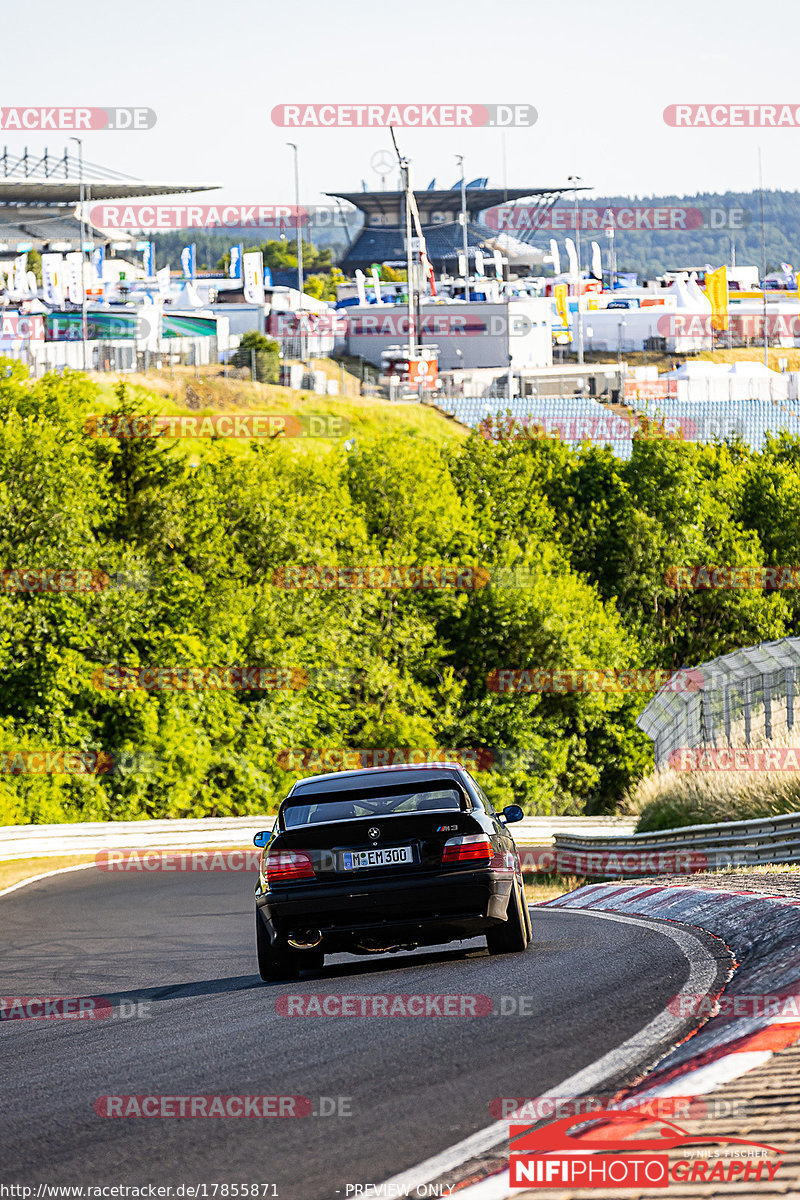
{"x":415,"y":909}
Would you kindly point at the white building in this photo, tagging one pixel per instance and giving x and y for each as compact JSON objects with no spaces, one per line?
{"x":469,"y":336}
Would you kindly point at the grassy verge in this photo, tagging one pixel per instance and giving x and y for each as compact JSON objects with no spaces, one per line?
{"x":364,"y":417}
{"x":25,"y":868}
{"x":672,"y":799}
{"x":540,"y":887}
{"x":762,"y":869}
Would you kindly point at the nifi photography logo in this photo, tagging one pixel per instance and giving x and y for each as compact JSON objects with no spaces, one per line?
{"x":614,"y":1148}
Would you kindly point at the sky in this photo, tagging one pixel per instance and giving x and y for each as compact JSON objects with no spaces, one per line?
{"x":599,"y":75}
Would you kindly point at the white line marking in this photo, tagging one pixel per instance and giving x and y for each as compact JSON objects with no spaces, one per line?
{"x":630,"y":1054}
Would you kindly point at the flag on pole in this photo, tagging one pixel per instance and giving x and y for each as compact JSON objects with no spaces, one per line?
{"x":162,"y":277}
{"x":253,"y":269}
{"x":52,"y":287}
{"x":556,"y":257}
{"x":188,"y":261}
{"x":98,"y":256}
{"x":717,"y":292}
{"x":560,"y":297}
{"x":235,"y":264}
{"x":20,"y":272}
{"x":573,"y":259}
{"x":149,"y":259}
{"x":597,"y":261}
{"x":74,"y":263}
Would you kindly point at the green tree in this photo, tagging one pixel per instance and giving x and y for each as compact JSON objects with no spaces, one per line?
{"x":256,"y":348}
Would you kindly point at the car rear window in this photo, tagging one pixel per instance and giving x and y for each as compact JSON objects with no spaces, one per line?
{"x":323,"y":809}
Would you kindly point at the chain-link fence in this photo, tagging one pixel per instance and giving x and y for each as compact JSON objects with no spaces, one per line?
{"x":747,"y":698}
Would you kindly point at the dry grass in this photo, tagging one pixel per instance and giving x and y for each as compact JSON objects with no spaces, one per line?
{"x":669,"y":799}
{"x":762,"y":869}
{"x":366,"y":417}
{"x":539,"y":888}
{"x":18,"y":869}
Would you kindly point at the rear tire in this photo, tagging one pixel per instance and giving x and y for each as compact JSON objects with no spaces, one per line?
{"x":274,"y":965}
{"x":512,"y":937}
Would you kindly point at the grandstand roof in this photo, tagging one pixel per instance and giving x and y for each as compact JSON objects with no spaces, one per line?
{"x":39,"y":194}
{"x":67,"y":191}
{"x":440,"y":200}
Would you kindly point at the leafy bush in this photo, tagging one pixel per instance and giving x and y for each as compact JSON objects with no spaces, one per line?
{"x":192,"y":549}
{"x":256,"y":349}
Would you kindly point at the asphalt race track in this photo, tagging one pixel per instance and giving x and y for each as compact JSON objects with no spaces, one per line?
{"x":180,"y":947}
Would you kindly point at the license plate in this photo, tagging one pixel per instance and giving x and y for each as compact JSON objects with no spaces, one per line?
{"x":389,"y":856}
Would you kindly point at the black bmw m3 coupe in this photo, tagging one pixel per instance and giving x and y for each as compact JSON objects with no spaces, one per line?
{"x":386,"y":859}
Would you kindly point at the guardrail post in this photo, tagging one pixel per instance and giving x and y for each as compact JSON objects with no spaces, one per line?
{"x":726,"y":711}
{"x":767,"y":693}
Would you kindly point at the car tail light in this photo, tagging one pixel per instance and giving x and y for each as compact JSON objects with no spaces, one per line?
{"x":469,"y":848}
{"x":284,"y":866}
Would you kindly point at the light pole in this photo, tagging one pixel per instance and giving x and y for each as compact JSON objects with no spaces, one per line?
{"x":464,"y":236}
{"x":576,"y":179}
{"x":612,"y":258}
{"x":297,"y":220}
{"x":84,"y":321}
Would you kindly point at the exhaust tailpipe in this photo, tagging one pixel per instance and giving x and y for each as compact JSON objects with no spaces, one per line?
{"x":304,"y":939}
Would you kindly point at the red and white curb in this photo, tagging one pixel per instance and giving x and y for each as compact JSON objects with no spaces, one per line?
{"x":762,"y":932}
{"x":666,"y":1027}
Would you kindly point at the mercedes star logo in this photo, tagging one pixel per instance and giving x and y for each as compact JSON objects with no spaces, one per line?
{"x":382,"y":162}
{"x":374,"y":832}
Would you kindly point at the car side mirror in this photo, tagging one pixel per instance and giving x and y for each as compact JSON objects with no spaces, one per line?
{"x":262,"y":838}
{"x":512,"y":813}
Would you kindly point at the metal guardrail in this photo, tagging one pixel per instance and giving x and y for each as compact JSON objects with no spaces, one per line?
{"x":50,"y":841}
{"x":691,"y":848}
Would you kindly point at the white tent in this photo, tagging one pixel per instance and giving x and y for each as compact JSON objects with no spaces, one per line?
{"x":683,"y":297}
{"x":187,"y":297}
{"x":700,"y":299}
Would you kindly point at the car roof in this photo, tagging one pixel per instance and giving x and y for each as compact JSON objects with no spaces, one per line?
{"x":368,"y":777}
